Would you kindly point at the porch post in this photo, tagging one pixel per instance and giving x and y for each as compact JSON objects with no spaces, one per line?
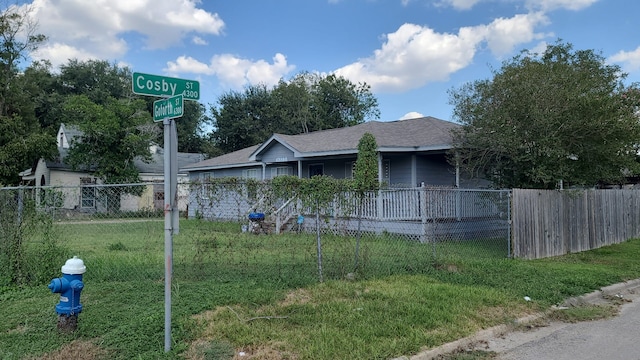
{"x":457,"y":173}
{"x":414,"y":170}
{"x":422,"y":193}
{"x":379,"y":197}
{"x":299,"y":169}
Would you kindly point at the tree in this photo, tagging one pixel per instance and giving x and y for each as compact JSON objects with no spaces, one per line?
{"x":98,"y":80}
{"x":241,"y":119}
{"x":113,"y":136}
{"x":191,"y":128}
{"x":307,"y":103}
{"x":562,"y":115}
{"x":365,"y":178}
{"x":42,"y":86}
{"x":21,"y":138}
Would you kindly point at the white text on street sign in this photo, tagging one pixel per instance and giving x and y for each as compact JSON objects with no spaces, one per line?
{"x":154,"y":85}
{"x":168,"y":108}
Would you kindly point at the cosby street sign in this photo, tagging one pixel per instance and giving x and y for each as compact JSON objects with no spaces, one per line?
{"x":168,"y":108}
{"x":154,"y":85}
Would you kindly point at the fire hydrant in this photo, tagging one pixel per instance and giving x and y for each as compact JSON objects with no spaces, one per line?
{"x":69,"y":286}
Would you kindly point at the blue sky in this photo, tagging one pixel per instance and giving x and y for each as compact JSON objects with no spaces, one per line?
{"x":411,"y":52}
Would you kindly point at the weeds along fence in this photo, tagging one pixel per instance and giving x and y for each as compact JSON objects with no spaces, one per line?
{"x":118,"y":230}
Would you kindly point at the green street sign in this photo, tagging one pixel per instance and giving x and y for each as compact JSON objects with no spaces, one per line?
{"x":168,"y":108}
{"x":154,"y":85}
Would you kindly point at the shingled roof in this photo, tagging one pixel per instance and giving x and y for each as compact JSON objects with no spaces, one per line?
{"x":420,"y":134}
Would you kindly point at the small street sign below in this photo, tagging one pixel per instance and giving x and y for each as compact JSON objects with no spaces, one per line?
{"x":168,"y":108}
{"x":154,"y":85}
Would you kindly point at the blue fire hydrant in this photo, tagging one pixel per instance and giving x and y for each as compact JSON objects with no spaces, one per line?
{"x":69,"y":286}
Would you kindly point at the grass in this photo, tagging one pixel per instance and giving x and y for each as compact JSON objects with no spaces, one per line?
{"x":235,"y":292}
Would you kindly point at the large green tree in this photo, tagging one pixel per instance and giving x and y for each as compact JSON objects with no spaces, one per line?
{"x":306,"y":103}
{"x":114,"y":134}
{"x":562,"y":115}
{"x":21,"y":137}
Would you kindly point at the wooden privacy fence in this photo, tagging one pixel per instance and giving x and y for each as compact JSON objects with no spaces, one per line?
{"x":550,"y":223}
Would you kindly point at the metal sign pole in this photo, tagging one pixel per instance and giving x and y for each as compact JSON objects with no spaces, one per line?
{"x":173,"y":91}
{"x":168,"y":233}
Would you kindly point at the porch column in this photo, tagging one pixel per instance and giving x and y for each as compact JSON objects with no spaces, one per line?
{"x":414,"y":170}
{"x":264,"y":171}
{"x":299,"y":169}
{"x":379,"y":202}
{"x":457,"y":173}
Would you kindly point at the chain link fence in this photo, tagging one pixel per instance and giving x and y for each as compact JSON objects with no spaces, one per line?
{"x":243,"y":229}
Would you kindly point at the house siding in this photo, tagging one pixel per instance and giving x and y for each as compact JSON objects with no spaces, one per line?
{"x":434,"y":170}
{"x":400,"y":169}
{"x":277,"y":153}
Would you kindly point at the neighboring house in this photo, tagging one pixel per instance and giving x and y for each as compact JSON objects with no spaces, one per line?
{"x":411,"y":153}
{"x":57,"y":173}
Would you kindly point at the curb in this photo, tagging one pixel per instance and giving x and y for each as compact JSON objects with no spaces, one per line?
{"x":627,"y":287}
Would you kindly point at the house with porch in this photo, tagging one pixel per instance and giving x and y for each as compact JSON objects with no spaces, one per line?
{"x":412,"y":156}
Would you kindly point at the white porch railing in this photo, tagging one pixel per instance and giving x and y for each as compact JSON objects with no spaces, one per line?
{"x":285,"y":213}
{"x":414,"y":204}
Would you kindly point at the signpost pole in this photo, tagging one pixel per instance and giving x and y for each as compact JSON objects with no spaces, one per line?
{"x":173,"y":91}
{"x":168,"y":233}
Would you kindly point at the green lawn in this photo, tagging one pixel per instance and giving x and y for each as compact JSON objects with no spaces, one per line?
{"x":235,"y":291}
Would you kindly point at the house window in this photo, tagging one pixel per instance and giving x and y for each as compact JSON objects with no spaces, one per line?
{"x":281,"y":170}
{"x":87,"y":192}
{"x":158,"y":196}
{"x":250,"y":174}
{"x":316,"y":169}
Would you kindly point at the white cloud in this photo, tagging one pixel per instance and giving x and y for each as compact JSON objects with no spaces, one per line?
{"x":199,"y":41}
{"x":99,"y":27}
{"x":58,"y":53}
{"x":234,"y":71}
{"x":187,"y":64}
{"x":630,"y":60}
{"x":545,"y":5}
{"x":460,"y":4}
{"x":548,"y":5}
{"x":414,"y":55}
{"x":411,"y":115}
{"x":503,"y":35}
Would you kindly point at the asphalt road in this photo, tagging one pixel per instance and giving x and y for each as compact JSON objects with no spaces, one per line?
{"x":611,"y":339}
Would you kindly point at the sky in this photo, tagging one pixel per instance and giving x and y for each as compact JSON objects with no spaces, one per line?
{"x":411,"y":52}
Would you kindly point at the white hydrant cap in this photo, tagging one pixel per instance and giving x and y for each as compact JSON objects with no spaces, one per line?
{"x":74,"y":266}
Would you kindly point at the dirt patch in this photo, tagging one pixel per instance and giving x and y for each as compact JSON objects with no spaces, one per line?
{"x":296,"y":297}
{"x":203,"y":349}
{"x":268,"y":352}
{"x":78,"y":350}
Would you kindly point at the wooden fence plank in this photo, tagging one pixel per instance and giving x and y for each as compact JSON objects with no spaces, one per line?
{"x":551,"y":223}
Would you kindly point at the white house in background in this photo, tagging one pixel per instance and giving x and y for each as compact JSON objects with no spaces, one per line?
{"x":57,"y":173}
